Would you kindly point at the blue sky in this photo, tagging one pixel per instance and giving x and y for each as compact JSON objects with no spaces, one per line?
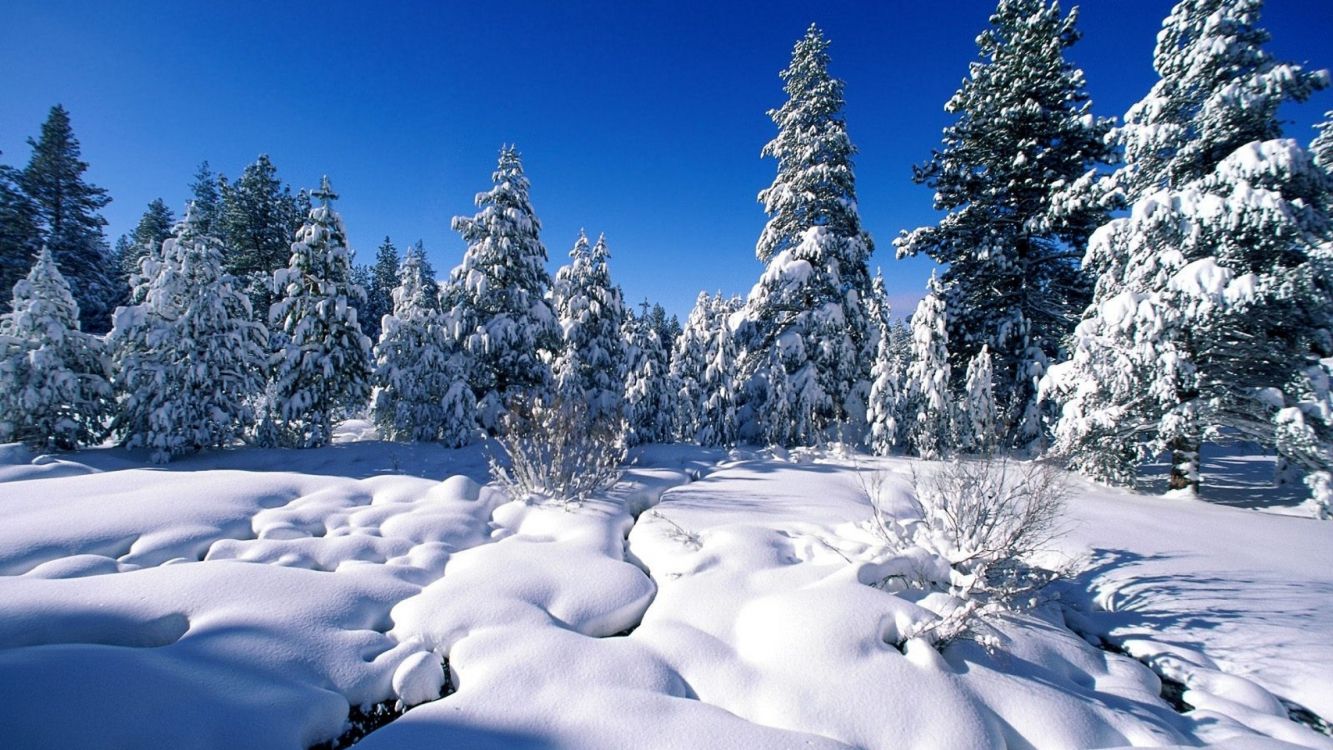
{"x":643,"y":120}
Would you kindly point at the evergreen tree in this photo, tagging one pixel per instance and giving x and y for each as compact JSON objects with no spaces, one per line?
{"x":19,"y":234}
{"x":189,"y":358}
{"x":68,"y":219}
{"x":383,"y":279}
{"x":927,"y":403}
{"x":155,"y":226}
{"x":53,"y":388}
{"x":1218,"y":90}
{"x":976,"y":428}
{"x":1023,"y":135}
{"x":1216,"y":318}
{"x":421,"y":393}
{"x":591,"y":364}
{"x":497,"y":296}
{"x":885,"y":375}
{"x":256,"y":219}
{"x":668,"y":328}
{"x":689,"y":359}
{"x":808,"y":304}
{"x":649,"y":389}
{"x":324,"y":362}
{"x":719,"y":423}
{"x":206,"y":201}
{"x":1321,"y":148}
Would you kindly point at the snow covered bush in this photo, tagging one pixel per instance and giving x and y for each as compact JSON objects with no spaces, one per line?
{"x":557,"y":451}
{"x":964,"y":549}
{"x":54,"y":392}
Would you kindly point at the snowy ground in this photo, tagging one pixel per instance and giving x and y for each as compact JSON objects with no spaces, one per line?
{"x":249,"y":598}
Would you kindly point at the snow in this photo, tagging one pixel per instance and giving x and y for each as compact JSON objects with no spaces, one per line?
{"x":248,"y":598}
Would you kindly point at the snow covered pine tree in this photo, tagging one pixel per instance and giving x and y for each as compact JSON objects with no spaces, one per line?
{"x":591,"y":362}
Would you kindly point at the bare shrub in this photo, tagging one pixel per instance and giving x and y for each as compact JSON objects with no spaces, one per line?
{"x":557,"y":451}
{"x":973,"y":529}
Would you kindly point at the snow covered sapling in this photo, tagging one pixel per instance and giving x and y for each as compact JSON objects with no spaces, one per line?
{"x":927,"y":407}
{"x":421,"y":393}
{"x":649,"y":389}
{"x":882,"y":409}
{"x":324,"y":362}
{"x":54,"y":392}
{"x":557,"y":451}
{"x":591,"y":362}
{"x":976,"y":424}
{"x":971,"y":532}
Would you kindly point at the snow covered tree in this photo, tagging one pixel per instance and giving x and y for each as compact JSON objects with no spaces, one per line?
{"x":1218,"y":90}
{"x":976,"y":428}
{"x":1215,"y":317}
{"x":689,"y":359}
{"x":154,"y":227}
{"x":808,"y":304}
{"x":53,"y":377}
{"x":497,"y":296}
{"x":68,"y":219}
{"x":1023,"y":134}
{"x":189,"y":358}
{"x":256,"y":220}
{"x":649,"y":388}
{"x":882,"y":409}
{"x":324,"y":361}
{"x":19,"y":235}
{"x":206,"y":200}
{"x":927,"y":406}
{"x":591,"y":364}
{"x":379,"y":291}
{"x":718,"y":419}
{"x":421,"y":391}
{"x":668,"y":327}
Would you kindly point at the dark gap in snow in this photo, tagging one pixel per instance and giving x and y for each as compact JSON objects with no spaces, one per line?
{"x":362,"y":721}
{"x":1302,"y":715}
{"x":1173,"y":691}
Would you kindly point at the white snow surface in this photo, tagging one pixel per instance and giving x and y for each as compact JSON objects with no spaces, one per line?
{"x":248,"y":598}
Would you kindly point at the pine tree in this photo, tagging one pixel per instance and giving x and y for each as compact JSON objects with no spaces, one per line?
{"x":324,"y":363}
{"x":882,"y":411}
{"x":154,"y":227}
{"x":206,"y":201}
{"x":591,"y":364}
{"x":808,"y":303}
{"x":927,"y":406}
{"x":379,"y":291}
{"x":976,"y":428}
{"x":1218,"y":90}
{"x":719,"y":424}
{"x":68,"y":219}
{"x":689,"y":359}
{"x":497,"y":296}
{"x":53,"y":377}
{"x":668,"y":328}
{"x":649,"y":389}
{"x":256,"y":219}
{"x":18,"y":231}
{"x":421,"y":393}
{"x":1023,"y":135}
{"x":190,"y":360}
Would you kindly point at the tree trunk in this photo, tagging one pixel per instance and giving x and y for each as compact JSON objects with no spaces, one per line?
{"x":1184,"y":464}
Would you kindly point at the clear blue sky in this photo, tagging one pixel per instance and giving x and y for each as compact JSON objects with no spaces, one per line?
{"x":643,"y":120}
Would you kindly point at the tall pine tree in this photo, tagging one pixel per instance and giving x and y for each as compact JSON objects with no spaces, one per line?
{"x":256,"y":219}
{"x":649,"y":389}
{"x":809,"y":302}
{"x":1024,"y":133}
{"x":497,"y":295}
{"x":19,"y":239}
{"x":591,"y":364}
{"x":69,"y":221}
{"x":383,"y":279}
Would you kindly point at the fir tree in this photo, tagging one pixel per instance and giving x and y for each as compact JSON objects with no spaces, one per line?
{"x":68,"y":219}
{"x":256,"y":219}
{"x":976,"y":428}
{"x":190,"y":360}
{"x":379,"y":291}
{"x":718,"y":418}
{"x":497,"y":296}
{"x":18,"y":231}
{"x":689,"y":359}
{"x":591,"y":364}
{"x":882,"y":410}
{"x":154,"y":227}
{"x":808,"y":304}
{"x":927,"y":406}
{"x":206,"y":201}
{"x":668,"y":328}
{"x":1024,"y":133}
{"x":649,"y":389}
{"x":324,"y":363}
{"x":55,"y":393}
{"x":421,"y":393}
